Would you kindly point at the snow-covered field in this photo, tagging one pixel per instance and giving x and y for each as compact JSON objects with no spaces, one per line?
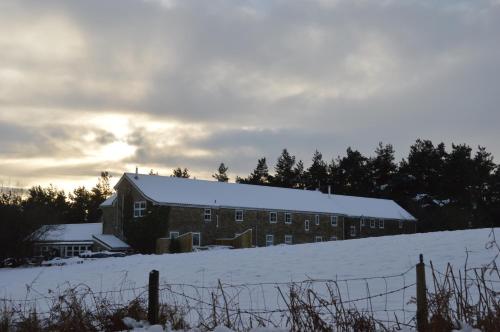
{"x":261,"y":267}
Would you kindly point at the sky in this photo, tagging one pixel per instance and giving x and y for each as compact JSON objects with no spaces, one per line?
{"x":87,"y":86}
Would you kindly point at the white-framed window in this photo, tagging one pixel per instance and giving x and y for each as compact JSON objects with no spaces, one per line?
{"x":306,"y":225}
{"x":353,"y":230}
{"x":288,"y":239}
{"x":269,"y":240}
{"x":207,"y":215}
{"x":333,"y":238}
{"x":69,"y":251}
{"x":316,"y":219}
{"x":381,"y":223}
{"x":196,"y":239}
{"x":238,"y":215}
{"x":362,"y":222}
{"x":318,"y":238}
{"x":288,"y":218}
{"x":273,"y":217}
{"x":173,"y":235}
{"x":139,"y":209}
{"x":372,"y":223}
{"x":400,"y":224}
{"x":334,"y":221}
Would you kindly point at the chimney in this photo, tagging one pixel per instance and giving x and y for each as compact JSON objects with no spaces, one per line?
{"x":136,"y":173}
{"x":329,"y":191}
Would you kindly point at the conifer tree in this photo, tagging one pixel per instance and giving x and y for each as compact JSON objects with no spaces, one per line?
{"x":382,"y":168}
{"x":180,"y":173}
{"x":260,"y":175}
{"x":284,"y":169}
{"x":317,"y":173}
{"x":300,"y":176}
{"x":221,"y":174}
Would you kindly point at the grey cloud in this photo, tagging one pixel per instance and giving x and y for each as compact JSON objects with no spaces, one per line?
{"x":27,"y":141}
{"x":263,"y":75}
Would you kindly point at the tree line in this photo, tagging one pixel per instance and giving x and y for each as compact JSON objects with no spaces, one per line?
{"x":21,"y":216}
{"x":444,"y":189}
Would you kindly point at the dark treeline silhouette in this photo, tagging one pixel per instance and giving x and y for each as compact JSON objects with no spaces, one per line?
{"x":445,"y":190}
{"x":21,"y":216}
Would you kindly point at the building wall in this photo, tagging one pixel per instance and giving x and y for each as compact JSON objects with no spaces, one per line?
{"x":184,"y":219}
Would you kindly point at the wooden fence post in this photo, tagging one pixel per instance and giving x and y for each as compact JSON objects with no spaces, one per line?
{"x":153,"y":300}
{"x":422,"y":310}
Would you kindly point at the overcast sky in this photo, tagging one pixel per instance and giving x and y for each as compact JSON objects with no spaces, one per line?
{"x":87,"y":86}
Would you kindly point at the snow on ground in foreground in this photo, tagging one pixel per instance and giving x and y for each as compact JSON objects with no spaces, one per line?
{"x":360,"y":258}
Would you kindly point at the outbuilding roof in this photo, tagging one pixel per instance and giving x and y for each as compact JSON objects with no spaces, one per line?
{"x":69,"y":232}
{"x":179,"y":191}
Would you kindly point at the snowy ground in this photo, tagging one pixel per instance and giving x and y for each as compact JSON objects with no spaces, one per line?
{"x":340,"y":260}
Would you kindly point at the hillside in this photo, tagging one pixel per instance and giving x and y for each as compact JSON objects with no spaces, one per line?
{"x":260,"y":268}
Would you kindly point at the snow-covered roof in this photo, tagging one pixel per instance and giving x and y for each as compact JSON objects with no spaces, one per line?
{"x":371,"y":207}
{"x":109,"y":201}
{"x":111,"y":241}
{"x":180,"y":191}
{"x":69,"y":232}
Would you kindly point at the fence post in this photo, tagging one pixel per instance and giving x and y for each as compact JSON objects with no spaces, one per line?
{"x":422,"y":311}
{"x":153,"y":300}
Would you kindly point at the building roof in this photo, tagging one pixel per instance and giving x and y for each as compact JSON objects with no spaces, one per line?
{"x":180,"y":191}
{"x":109,"y":201}
{"x":111,"y":242}
{"x":69,"y":232}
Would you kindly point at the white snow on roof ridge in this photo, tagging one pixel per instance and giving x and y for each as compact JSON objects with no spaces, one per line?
{"x":172,"y":190}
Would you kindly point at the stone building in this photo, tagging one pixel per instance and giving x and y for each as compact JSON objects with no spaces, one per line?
{"x":215,"y":212}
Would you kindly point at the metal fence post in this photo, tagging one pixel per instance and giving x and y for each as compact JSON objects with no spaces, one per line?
{"x":153,"y":300}
{"x":422,"y":310}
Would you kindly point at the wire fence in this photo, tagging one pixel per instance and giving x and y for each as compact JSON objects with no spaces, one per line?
{"x":242,"y":305}
{"x":386,"y":302}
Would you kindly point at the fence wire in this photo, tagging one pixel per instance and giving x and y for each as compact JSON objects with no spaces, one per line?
{"x":265,"y":303}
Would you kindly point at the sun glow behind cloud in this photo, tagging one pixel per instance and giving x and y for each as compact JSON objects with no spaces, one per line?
{"x":86,"y":87}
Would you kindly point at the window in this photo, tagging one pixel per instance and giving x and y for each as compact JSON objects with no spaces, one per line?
{"x":273,"y":217}
{"x":372,"y":223}
{"x":381,"y":223}
{"x":196,"y":239}
{"x":288,"y":239}
{"x":362,"y":222}
{"x":333,"y":221}
{"x":269,"y":240}
{"x":316,"y":220}
{"x":238,"y":216}
{"x":139,"y":209}
{"x":288,"y":218}
{"x":318,"y":239}
{"x":306,"y":225}
{"x":207,"y":215}
{"x":353,"y":231}
{"x":333,"y":238}
{"x":400,"y":224}
{"x":174,"y":235}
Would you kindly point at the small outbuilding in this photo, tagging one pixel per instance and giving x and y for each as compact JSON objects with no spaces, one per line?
{"x":69,"y":240}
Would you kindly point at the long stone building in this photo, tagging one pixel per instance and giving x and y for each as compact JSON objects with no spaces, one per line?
{"x":209,"y":212}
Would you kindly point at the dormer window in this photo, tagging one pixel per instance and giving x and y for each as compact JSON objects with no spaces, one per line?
{"x":139,"y":209}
